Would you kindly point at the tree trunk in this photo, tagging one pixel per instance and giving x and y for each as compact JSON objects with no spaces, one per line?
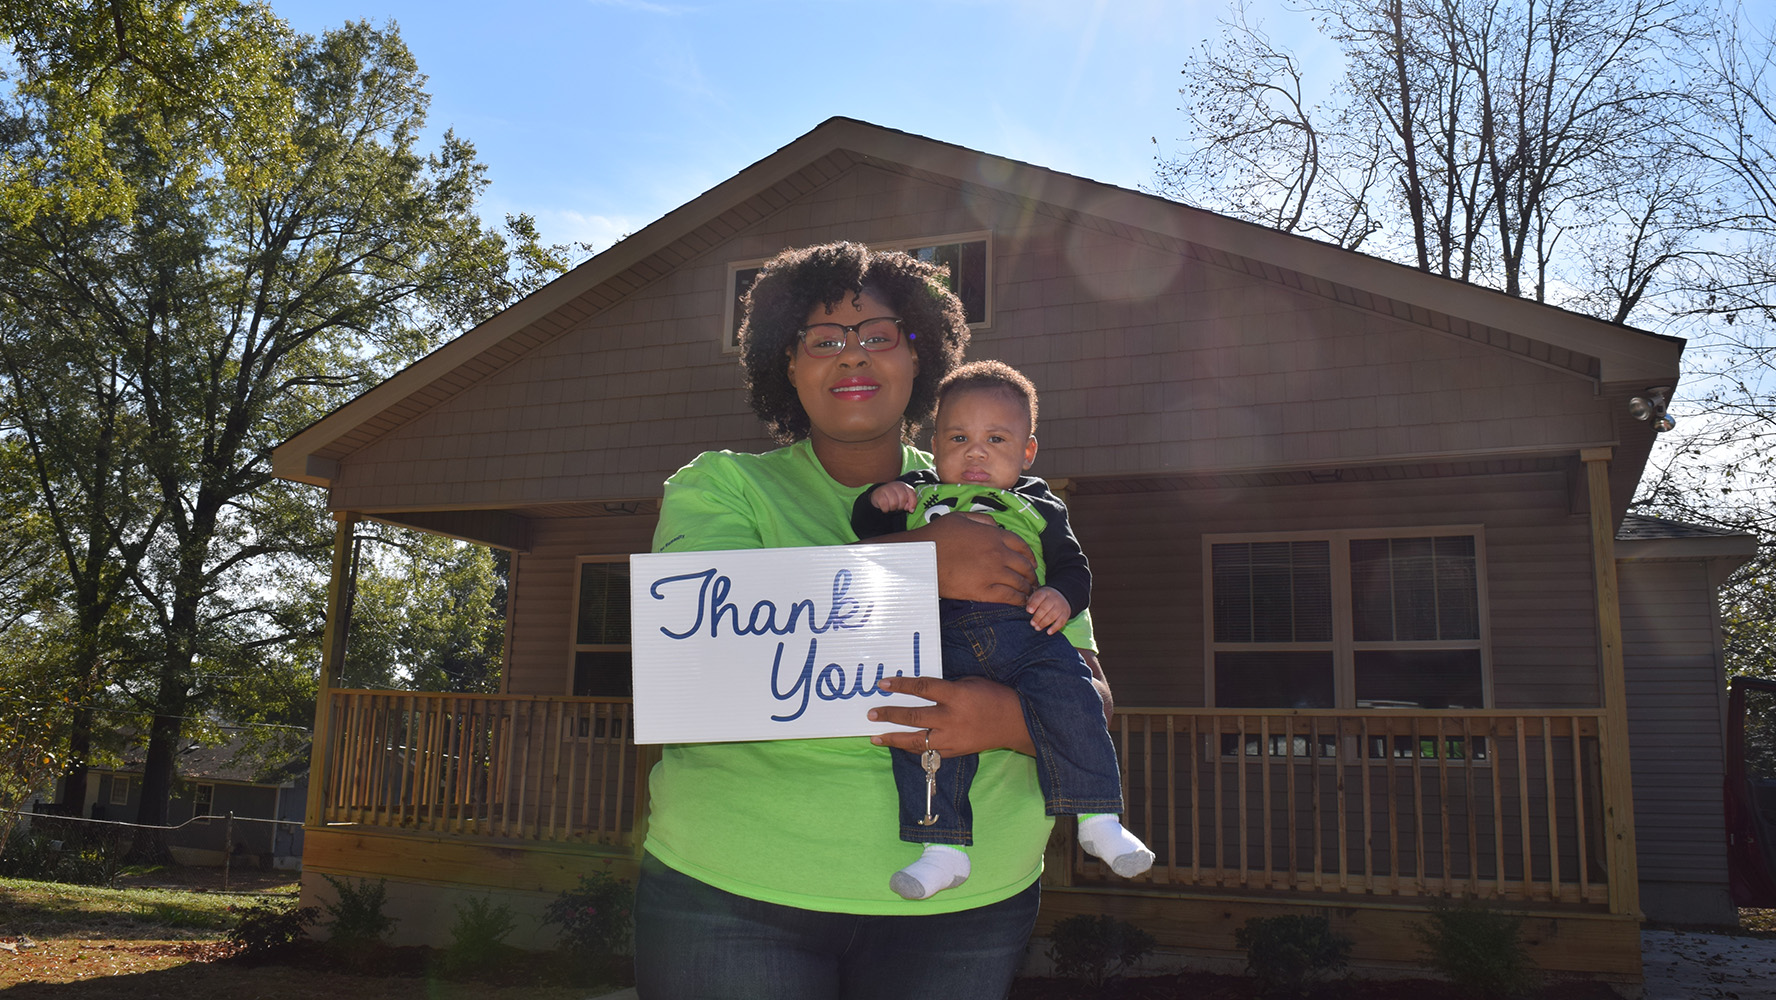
{"x":1412,"y":184}
{"x":80,"y":724}
{"x":158,"y":774}
{"x":74,"y":780}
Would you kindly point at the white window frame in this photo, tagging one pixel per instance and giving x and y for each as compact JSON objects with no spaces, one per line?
{"x":730,"y":321}
{"x":1344,"y":645}
{"x":574,"y":646}
{"x":203,"y":796}
{"x":120,"y":783}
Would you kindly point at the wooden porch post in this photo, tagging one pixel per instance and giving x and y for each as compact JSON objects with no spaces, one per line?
{"x":332,"y":662}
{"x":1618,"y":780}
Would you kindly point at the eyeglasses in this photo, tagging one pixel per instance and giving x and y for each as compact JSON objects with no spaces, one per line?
{"x":823,"y":340}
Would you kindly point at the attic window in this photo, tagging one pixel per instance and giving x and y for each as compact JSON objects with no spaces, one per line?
{"x":968,"y":256}
{"x":1347,"y":620}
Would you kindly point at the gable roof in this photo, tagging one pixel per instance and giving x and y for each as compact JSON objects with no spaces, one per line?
{"x":1550,"y":336}
{"x":236,"y":760}
{"x":1642,"y":527}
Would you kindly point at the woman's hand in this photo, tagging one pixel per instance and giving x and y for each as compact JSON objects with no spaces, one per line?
{"x":976,"y":559}
{"x":972,"y":714}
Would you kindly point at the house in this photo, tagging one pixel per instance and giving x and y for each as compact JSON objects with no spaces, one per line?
{"x":1380,"y":629}
{"x":227,"y":798}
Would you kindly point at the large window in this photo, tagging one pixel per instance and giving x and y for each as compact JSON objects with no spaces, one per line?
{"x":968,"y":257}
{"x":601,"y":627}
{"x":1347,"y":619}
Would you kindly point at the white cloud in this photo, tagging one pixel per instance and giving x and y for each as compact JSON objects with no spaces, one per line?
{"x":644,"y":6}
{"x":568,"y":226}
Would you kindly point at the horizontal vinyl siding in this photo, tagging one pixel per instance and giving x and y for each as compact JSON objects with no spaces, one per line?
{"x":542,"y":595}
{"x":1675,"y":721}
{"x":1149,"y":360}
{"x":1146,"y":556}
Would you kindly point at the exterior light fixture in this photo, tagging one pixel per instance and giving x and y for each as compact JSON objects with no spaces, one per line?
{"x":1651,"y":408}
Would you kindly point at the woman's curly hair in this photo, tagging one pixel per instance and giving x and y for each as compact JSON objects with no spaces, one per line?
{"x":795,"y":281}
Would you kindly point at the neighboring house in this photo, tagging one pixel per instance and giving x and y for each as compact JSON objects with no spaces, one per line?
{"x":213,"y":782}
{"x":1374,"y":639}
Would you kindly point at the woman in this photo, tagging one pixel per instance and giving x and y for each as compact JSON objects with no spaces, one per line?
{"x":763,"y":873}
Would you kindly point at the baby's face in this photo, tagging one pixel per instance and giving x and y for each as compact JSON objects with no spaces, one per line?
{"x":983,"y":438}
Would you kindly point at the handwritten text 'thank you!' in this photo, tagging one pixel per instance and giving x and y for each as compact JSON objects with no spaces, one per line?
{"x":712,"y":609}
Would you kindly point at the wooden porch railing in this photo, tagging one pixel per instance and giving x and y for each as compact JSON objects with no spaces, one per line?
{"x":528,"y":768}
{"x":1492,"y":804}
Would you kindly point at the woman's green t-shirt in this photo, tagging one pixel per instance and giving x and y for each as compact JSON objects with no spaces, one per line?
{"x":814,"y":823}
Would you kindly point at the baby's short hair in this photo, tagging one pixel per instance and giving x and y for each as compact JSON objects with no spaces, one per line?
{"x":998,"y":375}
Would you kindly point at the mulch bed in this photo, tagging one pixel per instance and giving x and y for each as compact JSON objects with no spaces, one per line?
{"x":559,"y":970}
{"x":1212,"y":986}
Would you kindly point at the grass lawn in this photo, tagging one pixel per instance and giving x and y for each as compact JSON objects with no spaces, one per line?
{"x":162,"y":934}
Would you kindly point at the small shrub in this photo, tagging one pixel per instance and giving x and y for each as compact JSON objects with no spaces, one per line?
{"x":597,"y":923}
{"x":1096,"y":949}
{"x":356,"y":919}
{"x":1287,"y":954}
{"x":30,"y":855}
{"x":267,"y":925}
{"x":478,"y":940}
{"x":98,"y":863}
{"x":58,"y":856}
{"x":1479,"y":949}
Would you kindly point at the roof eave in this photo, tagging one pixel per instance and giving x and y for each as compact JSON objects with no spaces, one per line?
{"x":1723,"y":554}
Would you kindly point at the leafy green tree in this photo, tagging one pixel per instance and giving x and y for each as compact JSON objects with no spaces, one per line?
{"x":35,"y":709}
{"x":76,"y":473}
{"x":237,"y":306}
{"x":428,"y":614}
{"x":25,"y":546}
{"x":204,"y":82}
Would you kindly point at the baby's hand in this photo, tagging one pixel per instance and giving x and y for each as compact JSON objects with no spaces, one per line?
{"x":1048,"y":609}
{"x":894,"y":496}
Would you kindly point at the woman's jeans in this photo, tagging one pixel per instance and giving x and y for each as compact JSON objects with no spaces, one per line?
{"x":696,"y":942}
{"x":1075,"y":760}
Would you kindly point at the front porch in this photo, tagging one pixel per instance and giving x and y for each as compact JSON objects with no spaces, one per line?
{"x":1368,"y":816}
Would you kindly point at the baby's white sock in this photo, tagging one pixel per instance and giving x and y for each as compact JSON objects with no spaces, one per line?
{"x":1103,"y":836}
{"x":940,"y":867}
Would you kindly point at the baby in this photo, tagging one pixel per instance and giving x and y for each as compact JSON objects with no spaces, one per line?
{"x":983,"y":442}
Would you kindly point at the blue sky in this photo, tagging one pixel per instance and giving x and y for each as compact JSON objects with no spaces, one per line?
{"x":599,"y":116}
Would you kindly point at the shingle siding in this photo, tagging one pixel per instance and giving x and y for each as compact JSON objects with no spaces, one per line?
{"x":1150,"y":361}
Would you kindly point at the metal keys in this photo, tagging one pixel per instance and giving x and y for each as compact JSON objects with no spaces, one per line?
{"x":929,"y":761}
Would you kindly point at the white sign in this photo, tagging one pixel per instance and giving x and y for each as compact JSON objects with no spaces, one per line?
{"x":772,"y":644}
